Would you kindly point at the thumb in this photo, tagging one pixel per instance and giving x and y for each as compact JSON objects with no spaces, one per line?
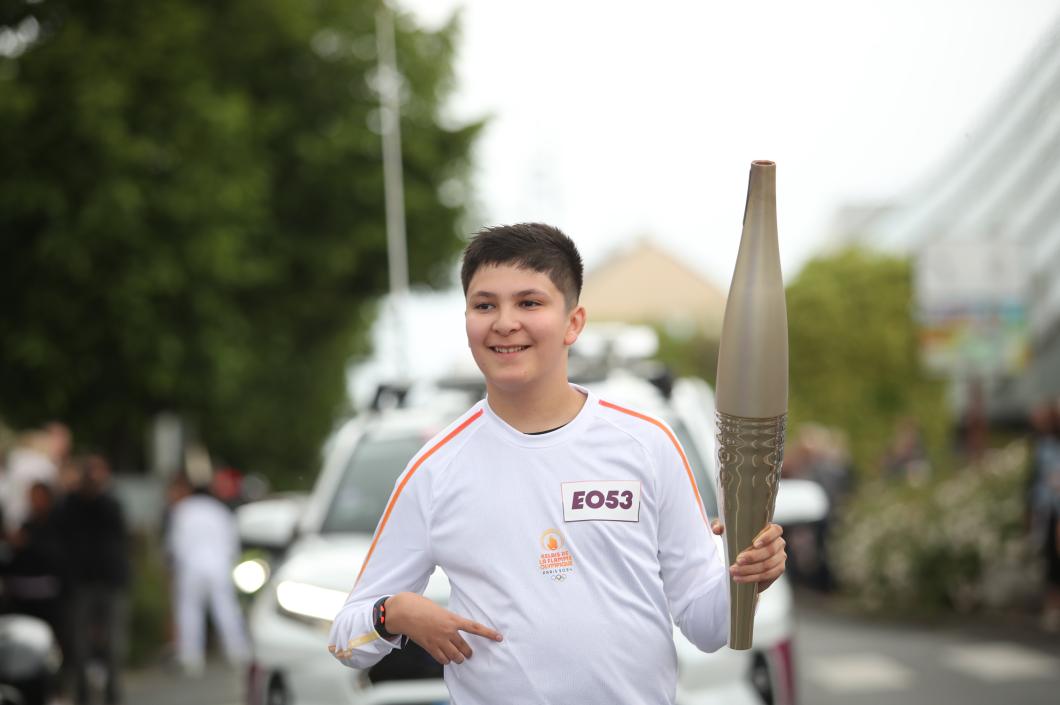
{"x":717,"y":527}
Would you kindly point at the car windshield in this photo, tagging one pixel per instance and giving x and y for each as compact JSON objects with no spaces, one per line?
{"x":706,"y":485}
{"x":377,"y":461}
{"x":367,"y":482}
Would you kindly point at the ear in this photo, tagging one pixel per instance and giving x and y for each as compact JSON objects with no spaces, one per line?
{"x":575,"y":324}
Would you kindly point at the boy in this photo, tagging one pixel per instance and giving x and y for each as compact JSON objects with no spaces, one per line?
{"x":568,"y":524}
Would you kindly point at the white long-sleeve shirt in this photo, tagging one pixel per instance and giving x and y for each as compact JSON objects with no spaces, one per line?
{"x":576,"y":545}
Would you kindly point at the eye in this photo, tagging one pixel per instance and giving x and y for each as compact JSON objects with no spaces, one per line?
{"x":482,"y":306}
{"x":529,"y":303}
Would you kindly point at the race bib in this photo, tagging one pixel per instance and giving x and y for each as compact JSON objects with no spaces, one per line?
{"x":615,"y":500}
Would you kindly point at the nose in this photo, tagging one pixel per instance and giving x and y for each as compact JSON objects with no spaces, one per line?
{"x":506,"y":322}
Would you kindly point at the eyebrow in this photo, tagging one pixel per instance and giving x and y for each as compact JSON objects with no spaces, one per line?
{"x":524,"y":292}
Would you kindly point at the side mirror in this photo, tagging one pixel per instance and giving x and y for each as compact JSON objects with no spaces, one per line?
{"x":800,"y":502}
{"x":28,"y":650}
{"x":270,"y":523}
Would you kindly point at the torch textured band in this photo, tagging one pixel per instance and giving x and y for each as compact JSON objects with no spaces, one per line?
{"x":750,"y":453}
{"x":751,"y":445}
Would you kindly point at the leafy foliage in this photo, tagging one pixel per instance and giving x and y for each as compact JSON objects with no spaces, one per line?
{"x":955,"y":543}
{"x":191,"y":214}
{"x":853,"y":354}
{"x":150,"y":601}
{"x":694,"y":355}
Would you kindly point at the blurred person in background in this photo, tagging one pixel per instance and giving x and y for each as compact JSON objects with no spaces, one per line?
{"x":93,"y":530}
{"x":827,"y":462}
{"x":906,"y":458}
{"x":37,"y":565}
{"x":36,"y":581}
{"x":801,"y":549}
{"x":202,"y":542}
{"x":1044,"y":503}
{"x":69,"y":476}
{"x":177,"y":489}
{"x":820,"y":455}
{"x":227,"y":486}
{"x":8,"y":441}
{"x":36,"y":458}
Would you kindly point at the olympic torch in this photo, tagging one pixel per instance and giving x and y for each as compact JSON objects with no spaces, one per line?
{"x":752,"y":390}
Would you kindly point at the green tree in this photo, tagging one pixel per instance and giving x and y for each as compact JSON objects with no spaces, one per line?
{"x":853,"y":353}
{"x":692,"y":355}
{"x":191,"y":213}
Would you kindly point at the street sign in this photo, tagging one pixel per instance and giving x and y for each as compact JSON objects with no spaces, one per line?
{"x":971,"y":305}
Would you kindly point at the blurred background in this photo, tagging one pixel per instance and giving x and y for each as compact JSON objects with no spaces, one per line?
{"x":227,"y":229}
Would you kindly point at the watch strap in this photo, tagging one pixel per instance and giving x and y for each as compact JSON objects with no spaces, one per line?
{"x":379,"y":618}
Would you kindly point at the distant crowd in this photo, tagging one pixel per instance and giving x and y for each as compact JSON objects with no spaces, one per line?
{"x":1043,"y":502}
{"x":820,"y":454}
{"x":66,"y":559}
{"x":64,"y":554}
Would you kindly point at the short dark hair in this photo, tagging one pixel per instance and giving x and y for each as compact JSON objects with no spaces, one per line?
{"x":534,"y":246}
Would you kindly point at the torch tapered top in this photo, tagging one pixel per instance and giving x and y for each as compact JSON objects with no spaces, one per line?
{"x":753,"y":355}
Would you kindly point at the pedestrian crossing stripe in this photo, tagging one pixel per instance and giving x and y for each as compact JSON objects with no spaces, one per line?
{"x":860,"y":673}
{"x":998,"y":662}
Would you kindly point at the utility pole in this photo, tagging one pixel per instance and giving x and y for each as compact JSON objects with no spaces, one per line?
{"x":393,"y":186}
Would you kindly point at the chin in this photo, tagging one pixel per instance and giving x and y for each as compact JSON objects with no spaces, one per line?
{"x":507,"y":383}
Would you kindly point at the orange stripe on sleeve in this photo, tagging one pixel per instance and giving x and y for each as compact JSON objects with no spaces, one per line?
{"x":408,"y":476}
{"x":677,"y":446}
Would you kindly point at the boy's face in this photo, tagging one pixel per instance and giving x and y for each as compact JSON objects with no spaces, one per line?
{"x":518,"y":326}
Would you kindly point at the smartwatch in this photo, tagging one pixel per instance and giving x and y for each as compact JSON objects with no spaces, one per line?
{"x":379,"y":618}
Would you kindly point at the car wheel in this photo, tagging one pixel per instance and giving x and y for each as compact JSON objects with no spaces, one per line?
{"x":276,"y":694}
{"x":762,"y":679}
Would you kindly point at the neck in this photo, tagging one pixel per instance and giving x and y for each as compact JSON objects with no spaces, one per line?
{"x":536,"y":410}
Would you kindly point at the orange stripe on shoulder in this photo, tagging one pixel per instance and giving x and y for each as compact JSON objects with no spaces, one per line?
{"x":677,"y":447}
{"x":408,"y":476}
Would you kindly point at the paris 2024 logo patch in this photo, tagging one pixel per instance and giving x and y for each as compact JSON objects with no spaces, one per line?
{"x":556,"y":562}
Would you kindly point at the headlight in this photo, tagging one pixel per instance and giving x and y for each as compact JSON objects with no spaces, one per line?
{"x":250,"y":575}
{"x":307,"y":600}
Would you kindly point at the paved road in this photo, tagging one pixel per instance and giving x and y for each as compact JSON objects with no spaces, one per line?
{"x":841,"y":660}
{"x":219,"y":685}
{"x":855,"y":661}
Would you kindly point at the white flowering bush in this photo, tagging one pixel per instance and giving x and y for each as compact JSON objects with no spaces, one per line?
{"x":956,"y":543}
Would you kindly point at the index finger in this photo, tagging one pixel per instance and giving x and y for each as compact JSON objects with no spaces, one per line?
{"x":768,"y":535}
{"x":481,"y":630}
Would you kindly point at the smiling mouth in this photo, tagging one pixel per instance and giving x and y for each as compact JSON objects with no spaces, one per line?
{"x":508,"y":350}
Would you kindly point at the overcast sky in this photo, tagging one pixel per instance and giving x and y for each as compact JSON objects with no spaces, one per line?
{"x":618,"y":120}
{"x":615,"y":120}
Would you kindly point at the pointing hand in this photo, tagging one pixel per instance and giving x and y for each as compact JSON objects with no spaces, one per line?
{"x":433,"y":627}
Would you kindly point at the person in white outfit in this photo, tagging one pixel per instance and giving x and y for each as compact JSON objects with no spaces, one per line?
{"x":203,"y":543}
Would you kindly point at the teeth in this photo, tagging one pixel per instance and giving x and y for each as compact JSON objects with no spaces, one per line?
{"x":511,"y":350}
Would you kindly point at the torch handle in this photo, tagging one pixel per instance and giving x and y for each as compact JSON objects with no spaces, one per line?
{"x":750,"y":454}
